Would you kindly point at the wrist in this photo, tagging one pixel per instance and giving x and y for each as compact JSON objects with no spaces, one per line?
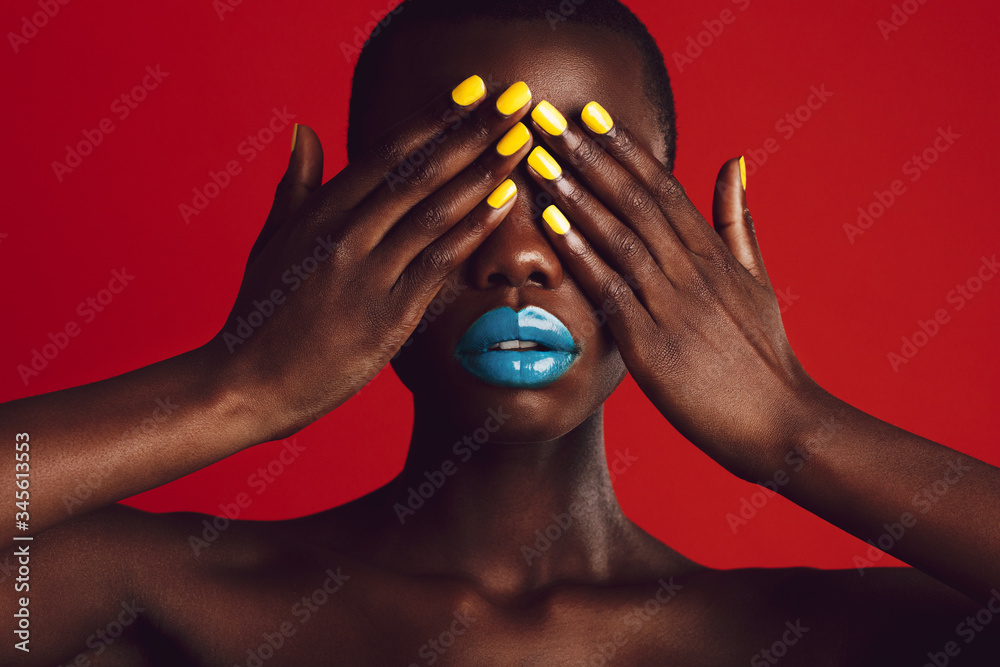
{"x":235,"y":401}
{"x":817,"y":421}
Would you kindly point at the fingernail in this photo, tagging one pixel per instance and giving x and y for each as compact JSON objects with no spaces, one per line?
{"x":549,"y":118}
{"x":544,"y":164}
{"x":295,"y":136}
{"x":596,"y":118}
{"x":503,"y":194}
{"x":514,"y":140}
{"x":743,"y":173}
{"x":514,"y":98}
{"x":468,"y":91}
{"x":557,"y":221}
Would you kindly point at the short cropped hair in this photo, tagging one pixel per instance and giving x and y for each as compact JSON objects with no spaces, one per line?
{"x":608,"y":14}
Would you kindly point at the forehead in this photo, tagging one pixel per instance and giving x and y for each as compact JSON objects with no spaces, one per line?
{"x":569,"y":66}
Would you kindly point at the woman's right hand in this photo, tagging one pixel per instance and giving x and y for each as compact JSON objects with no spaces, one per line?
{"x":342,"y":273}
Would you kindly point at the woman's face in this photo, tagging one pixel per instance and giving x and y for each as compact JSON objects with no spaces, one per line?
{"x":568,"y":65}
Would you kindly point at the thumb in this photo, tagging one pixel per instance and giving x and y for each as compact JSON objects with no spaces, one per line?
{"x":303,"y":175}
{"x":732,"y":221}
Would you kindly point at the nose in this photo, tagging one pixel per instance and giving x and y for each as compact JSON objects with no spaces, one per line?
{"x":517,"y":253}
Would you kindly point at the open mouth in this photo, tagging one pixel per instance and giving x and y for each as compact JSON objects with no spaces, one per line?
{"x":525,"y":349}
{"x":518,"y":345}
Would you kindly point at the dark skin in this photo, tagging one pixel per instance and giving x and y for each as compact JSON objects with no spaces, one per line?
{"x":697,"y":325}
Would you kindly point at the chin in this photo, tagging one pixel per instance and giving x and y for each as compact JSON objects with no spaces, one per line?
{"x":510,"y":415}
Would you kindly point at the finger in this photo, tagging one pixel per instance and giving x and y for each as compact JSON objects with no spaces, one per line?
{"x":433,"y":165}
{"x":423,"y":277}
{"x":621,"y":247}
{"x":687,"y":222}
{"x":436,"y":214}
{"x":367,"y":172}
{"x":302,"y":177}
{"x":606,"y":288}
{"x":614,"y":185}
{"x":732,"y":220}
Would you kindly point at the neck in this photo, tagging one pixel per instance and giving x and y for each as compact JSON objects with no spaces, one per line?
{"x":512,"y":517}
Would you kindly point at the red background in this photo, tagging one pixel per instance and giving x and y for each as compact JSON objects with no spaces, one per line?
{"x":119,"y":208}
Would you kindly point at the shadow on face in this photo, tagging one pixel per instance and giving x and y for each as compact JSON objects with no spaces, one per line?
{"x":516,"y":266}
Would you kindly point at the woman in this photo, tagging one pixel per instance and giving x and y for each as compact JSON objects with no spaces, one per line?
{"x":538,"y":195}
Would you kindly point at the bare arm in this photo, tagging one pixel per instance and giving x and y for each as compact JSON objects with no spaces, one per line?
{"x":698,"y":324}
{"x":339,"y":277}
{"x":96,"y":444}
{"x":928,"y":505}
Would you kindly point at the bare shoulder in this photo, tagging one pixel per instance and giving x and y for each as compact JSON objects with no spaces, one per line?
{"x":811,"y":616}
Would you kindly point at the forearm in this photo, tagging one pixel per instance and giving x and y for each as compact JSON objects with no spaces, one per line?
{"x":98,"y":443}
{"x":930,"y":506}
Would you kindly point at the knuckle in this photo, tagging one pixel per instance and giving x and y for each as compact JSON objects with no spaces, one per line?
{"x":436,"y":261}
{"x":625,"y":147}
{"x":586,"y":154}
{"x":635,"y":199}
{"x":574,"y":197}
{"x":424,"y":173}
{"x":390,"y":153}
{"x":627,"y":245}
{"x":482,"y":173}
{"x":480,"y":131}
{"x":432,"y":216}
{"x":666,"y":187}
{"x":612,"y":288}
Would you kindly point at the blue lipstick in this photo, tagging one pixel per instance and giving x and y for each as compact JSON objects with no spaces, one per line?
{"x":526,"y":349}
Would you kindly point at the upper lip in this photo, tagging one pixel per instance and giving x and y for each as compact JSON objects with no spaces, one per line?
{"x":530,"y":324}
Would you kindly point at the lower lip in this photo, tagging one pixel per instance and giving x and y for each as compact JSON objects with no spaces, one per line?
{"x":525,"y":369}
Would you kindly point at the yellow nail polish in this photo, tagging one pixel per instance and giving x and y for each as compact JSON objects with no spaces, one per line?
{"x":743,"y":173}
{"x":514,"y":140}
{"x":544,"y":164}
{"x":503,"y":194}
{"x":596,"y":118}
{"x":295,"y":135}
{"x":468,"y":91}
{"x":549,"y":118}
{"x":514,"y":98}
{"x":557,"y":221}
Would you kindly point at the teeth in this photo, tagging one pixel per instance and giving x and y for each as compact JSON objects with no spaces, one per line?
{"x":513,"y":345}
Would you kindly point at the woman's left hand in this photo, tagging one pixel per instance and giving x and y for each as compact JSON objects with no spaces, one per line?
{"x":691,"y":308}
